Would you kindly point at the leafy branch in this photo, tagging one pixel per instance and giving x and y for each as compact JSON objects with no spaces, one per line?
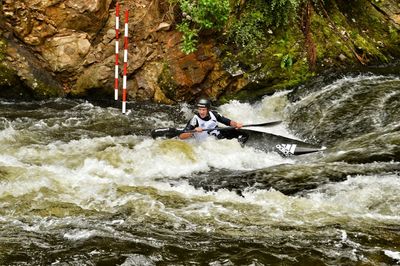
{"x":199,"y":15}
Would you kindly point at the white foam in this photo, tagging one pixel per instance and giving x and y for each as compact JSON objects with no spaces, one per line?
{"x":186,"y":110}
{"x":24,"y":184}
{"x":175,"y":158}
{"x":228,"y":154}
{"x":76,"y":235}
{"x":392,"y":254}
{"x":270,"y":109}
{"x":88,"y":172}
{"x":109,"y":173}
{"x":361,"y":197}
{"x":8,"y":135}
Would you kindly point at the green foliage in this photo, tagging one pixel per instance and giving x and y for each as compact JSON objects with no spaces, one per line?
{"x":248,"y":32}
{"x":198,"y":15}
{"x":189,"y":38}
{"x":283,"y":11}
{"x":287,"y":61}
{"x":206,"y":14}
{"x":259,"y":17}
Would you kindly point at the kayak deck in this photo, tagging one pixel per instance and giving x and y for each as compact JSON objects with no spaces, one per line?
{"x":283,"y":145}
{"x":260,"y":140}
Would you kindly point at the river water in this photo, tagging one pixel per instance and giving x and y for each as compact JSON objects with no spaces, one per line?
{"x":83,"y":184}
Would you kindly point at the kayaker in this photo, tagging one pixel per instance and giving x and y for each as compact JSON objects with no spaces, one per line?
{"x":204,"y":118}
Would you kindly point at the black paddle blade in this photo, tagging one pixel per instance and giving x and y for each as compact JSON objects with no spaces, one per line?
{"x":169,"y":132}
{"x":267,"y":124}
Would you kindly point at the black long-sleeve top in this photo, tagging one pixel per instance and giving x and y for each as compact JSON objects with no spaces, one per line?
{"x":192,"y":124}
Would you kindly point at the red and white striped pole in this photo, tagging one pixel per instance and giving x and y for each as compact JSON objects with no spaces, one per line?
{"x":116,"y":50}
{"x":125,"y":63}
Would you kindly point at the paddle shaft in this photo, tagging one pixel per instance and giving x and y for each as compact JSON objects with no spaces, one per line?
{"x":226,"y":128}
{"x":173,"y":132}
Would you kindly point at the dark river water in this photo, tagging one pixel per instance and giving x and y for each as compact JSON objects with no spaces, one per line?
{"x":82,"y":184}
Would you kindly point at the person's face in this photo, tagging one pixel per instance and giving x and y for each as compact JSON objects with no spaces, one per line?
{"x":203,"y":111}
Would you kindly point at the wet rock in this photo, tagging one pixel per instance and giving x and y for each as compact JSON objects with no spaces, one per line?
{"x":188,"y":73}
{"x":148,"y":87}
{"x":66,"y":51}
{"x":94,"y":80}
{"x":24,"y":76}
{"x":87,"y":16}
{"x":289,"y":179}
{"x":70,"y":36}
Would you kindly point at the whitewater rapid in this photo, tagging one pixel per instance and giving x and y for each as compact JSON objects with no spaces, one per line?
{"x":85,"y":184}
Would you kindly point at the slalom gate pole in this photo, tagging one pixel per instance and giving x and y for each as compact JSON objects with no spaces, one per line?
{"x":116,"y":50}
{"x":125,"y":63}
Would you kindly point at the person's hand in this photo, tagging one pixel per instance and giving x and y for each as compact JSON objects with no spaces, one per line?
{"x":198,"y":129}
{"x":236,"y":124}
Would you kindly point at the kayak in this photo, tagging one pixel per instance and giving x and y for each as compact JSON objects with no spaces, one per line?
{"x":283,"y":145}
{"x":260,"y":140}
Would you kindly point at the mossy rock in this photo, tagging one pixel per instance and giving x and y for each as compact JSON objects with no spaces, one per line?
{"x":93,"y":81}
{"x":30,"y":80}
{"x":3,"y":47}
{"x":11,"y":87}
{"x":166,"y":82}
{"x":350,"y":34}
{"x":280,"y":66}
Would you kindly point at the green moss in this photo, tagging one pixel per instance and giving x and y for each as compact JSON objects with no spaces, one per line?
{"x":38,"y":84}
{"x":45,"y":90}
{"x":351,"y":27}
{"x":3,"y":47}
{"x":167,"y":83}
{"x":8,"y":77}
{"x":329,"y":45}
{"x":280,"y":66}
{"x":393,"y":43}
{"x":368,"y":29}
{"x":394,"y":34}
{"x":11,"y":86}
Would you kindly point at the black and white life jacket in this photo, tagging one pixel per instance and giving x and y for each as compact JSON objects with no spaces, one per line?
{"x":205,"y":124}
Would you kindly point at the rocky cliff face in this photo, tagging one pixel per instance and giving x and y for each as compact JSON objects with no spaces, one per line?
{"x":66,"y":47}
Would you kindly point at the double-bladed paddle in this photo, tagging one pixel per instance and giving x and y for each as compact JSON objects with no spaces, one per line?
{"x":171,"y":132}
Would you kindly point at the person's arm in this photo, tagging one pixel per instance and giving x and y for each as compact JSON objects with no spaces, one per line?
{"x":191,"y":125}
{"x":187,"y":135}
{"x":227,"y":121}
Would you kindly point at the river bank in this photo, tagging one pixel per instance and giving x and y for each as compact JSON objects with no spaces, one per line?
{"x":67,"y":49}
